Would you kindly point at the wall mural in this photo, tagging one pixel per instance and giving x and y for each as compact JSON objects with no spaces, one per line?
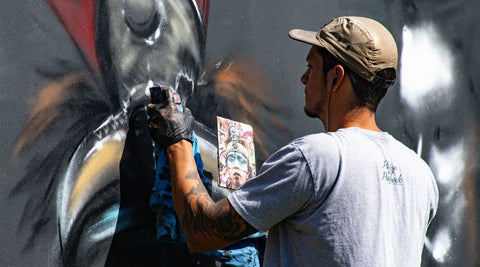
{"x":77,"y":165}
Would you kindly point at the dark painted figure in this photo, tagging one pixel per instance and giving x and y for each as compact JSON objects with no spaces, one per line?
{"x":85,"y":146}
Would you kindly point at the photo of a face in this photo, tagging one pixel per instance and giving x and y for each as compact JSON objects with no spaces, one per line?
{"x":237,"y":165}
{"x":236,"y":153}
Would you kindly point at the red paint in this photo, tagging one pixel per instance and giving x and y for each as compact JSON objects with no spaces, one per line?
{"x":78,"y":17}
{"x":204,"y":6}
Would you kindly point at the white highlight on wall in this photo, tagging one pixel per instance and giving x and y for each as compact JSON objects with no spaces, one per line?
{"x":440,"y":245}
{"x":449,"y":163}
{"x":426,"y":67}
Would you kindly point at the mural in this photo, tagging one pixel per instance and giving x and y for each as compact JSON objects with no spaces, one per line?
{"x":85,"y":138}
{"x":77,"y":166}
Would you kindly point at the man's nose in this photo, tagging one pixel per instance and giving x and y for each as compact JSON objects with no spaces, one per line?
{"x":304,"y":78}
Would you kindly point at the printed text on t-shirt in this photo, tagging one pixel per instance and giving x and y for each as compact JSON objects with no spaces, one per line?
{"x":390,"y":174}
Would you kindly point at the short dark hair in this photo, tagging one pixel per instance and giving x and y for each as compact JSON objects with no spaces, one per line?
{"x":368,"y":93}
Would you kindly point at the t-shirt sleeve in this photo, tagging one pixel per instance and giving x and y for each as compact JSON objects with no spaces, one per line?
{"x":434,"y":195}
{"x":283,"y":187}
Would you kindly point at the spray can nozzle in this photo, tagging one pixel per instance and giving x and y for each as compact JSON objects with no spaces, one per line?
{"x":162,"y":95}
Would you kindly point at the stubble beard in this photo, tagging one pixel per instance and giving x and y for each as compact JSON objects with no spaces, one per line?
{"x":318,"y":107}
{"x":309,"y":113}
{"x":316,"y":112}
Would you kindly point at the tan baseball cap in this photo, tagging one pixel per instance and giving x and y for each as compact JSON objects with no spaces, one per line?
{"x":362,"y":44}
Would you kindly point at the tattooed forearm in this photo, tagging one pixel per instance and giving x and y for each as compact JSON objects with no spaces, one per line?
{"x":192,"y":175}
{"x":226,"y":221}
{"x":207,"y":225}
{"x":207,"y":220}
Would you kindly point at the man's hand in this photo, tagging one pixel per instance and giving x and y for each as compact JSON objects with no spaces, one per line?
{"x":168,"y":125}
{"x":207,"y":225}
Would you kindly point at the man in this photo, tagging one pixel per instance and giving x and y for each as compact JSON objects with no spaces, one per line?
{"x":353,"y":196}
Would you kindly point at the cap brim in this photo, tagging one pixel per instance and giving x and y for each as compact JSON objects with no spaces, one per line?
{"x":309,"y":37}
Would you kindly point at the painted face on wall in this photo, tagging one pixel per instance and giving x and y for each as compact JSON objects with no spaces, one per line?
{"x":316,"y":94}
{"x":136,"y":44}
{"x":151,"y":41}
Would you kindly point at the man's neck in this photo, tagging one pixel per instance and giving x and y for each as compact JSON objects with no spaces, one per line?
{"x":359,"y":117}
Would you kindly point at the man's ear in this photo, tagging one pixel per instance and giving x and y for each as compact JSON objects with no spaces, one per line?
{"x":337,"y":80}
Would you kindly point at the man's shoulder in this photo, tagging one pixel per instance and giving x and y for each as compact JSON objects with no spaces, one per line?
{"x":317,"y":138}
{"x":319,"y":144}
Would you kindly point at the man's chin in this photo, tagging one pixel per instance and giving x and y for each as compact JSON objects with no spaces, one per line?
{"x":309,"y":113}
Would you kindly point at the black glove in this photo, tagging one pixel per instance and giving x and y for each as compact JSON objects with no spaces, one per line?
{"x":168,"y":125}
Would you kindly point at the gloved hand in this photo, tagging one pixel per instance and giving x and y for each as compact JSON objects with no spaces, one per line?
{"x":168,"y":125}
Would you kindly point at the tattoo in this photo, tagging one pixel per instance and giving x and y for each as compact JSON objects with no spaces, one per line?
{"x":191,"y":175}
{"x":212,"y":220}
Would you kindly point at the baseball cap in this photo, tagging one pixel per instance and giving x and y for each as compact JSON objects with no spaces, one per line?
{"x":362,"y":44}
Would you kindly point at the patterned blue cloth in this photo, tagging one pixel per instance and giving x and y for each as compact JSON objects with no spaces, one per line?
{"x":244,"y":253}
{"x":161,"y":198}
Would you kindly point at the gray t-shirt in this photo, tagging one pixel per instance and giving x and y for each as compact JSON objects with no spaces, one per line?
{"x":349,"y":198}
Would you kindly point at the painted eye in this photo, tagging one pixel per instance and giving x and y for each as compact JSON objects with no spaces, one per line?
{"x":141,"y":16}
